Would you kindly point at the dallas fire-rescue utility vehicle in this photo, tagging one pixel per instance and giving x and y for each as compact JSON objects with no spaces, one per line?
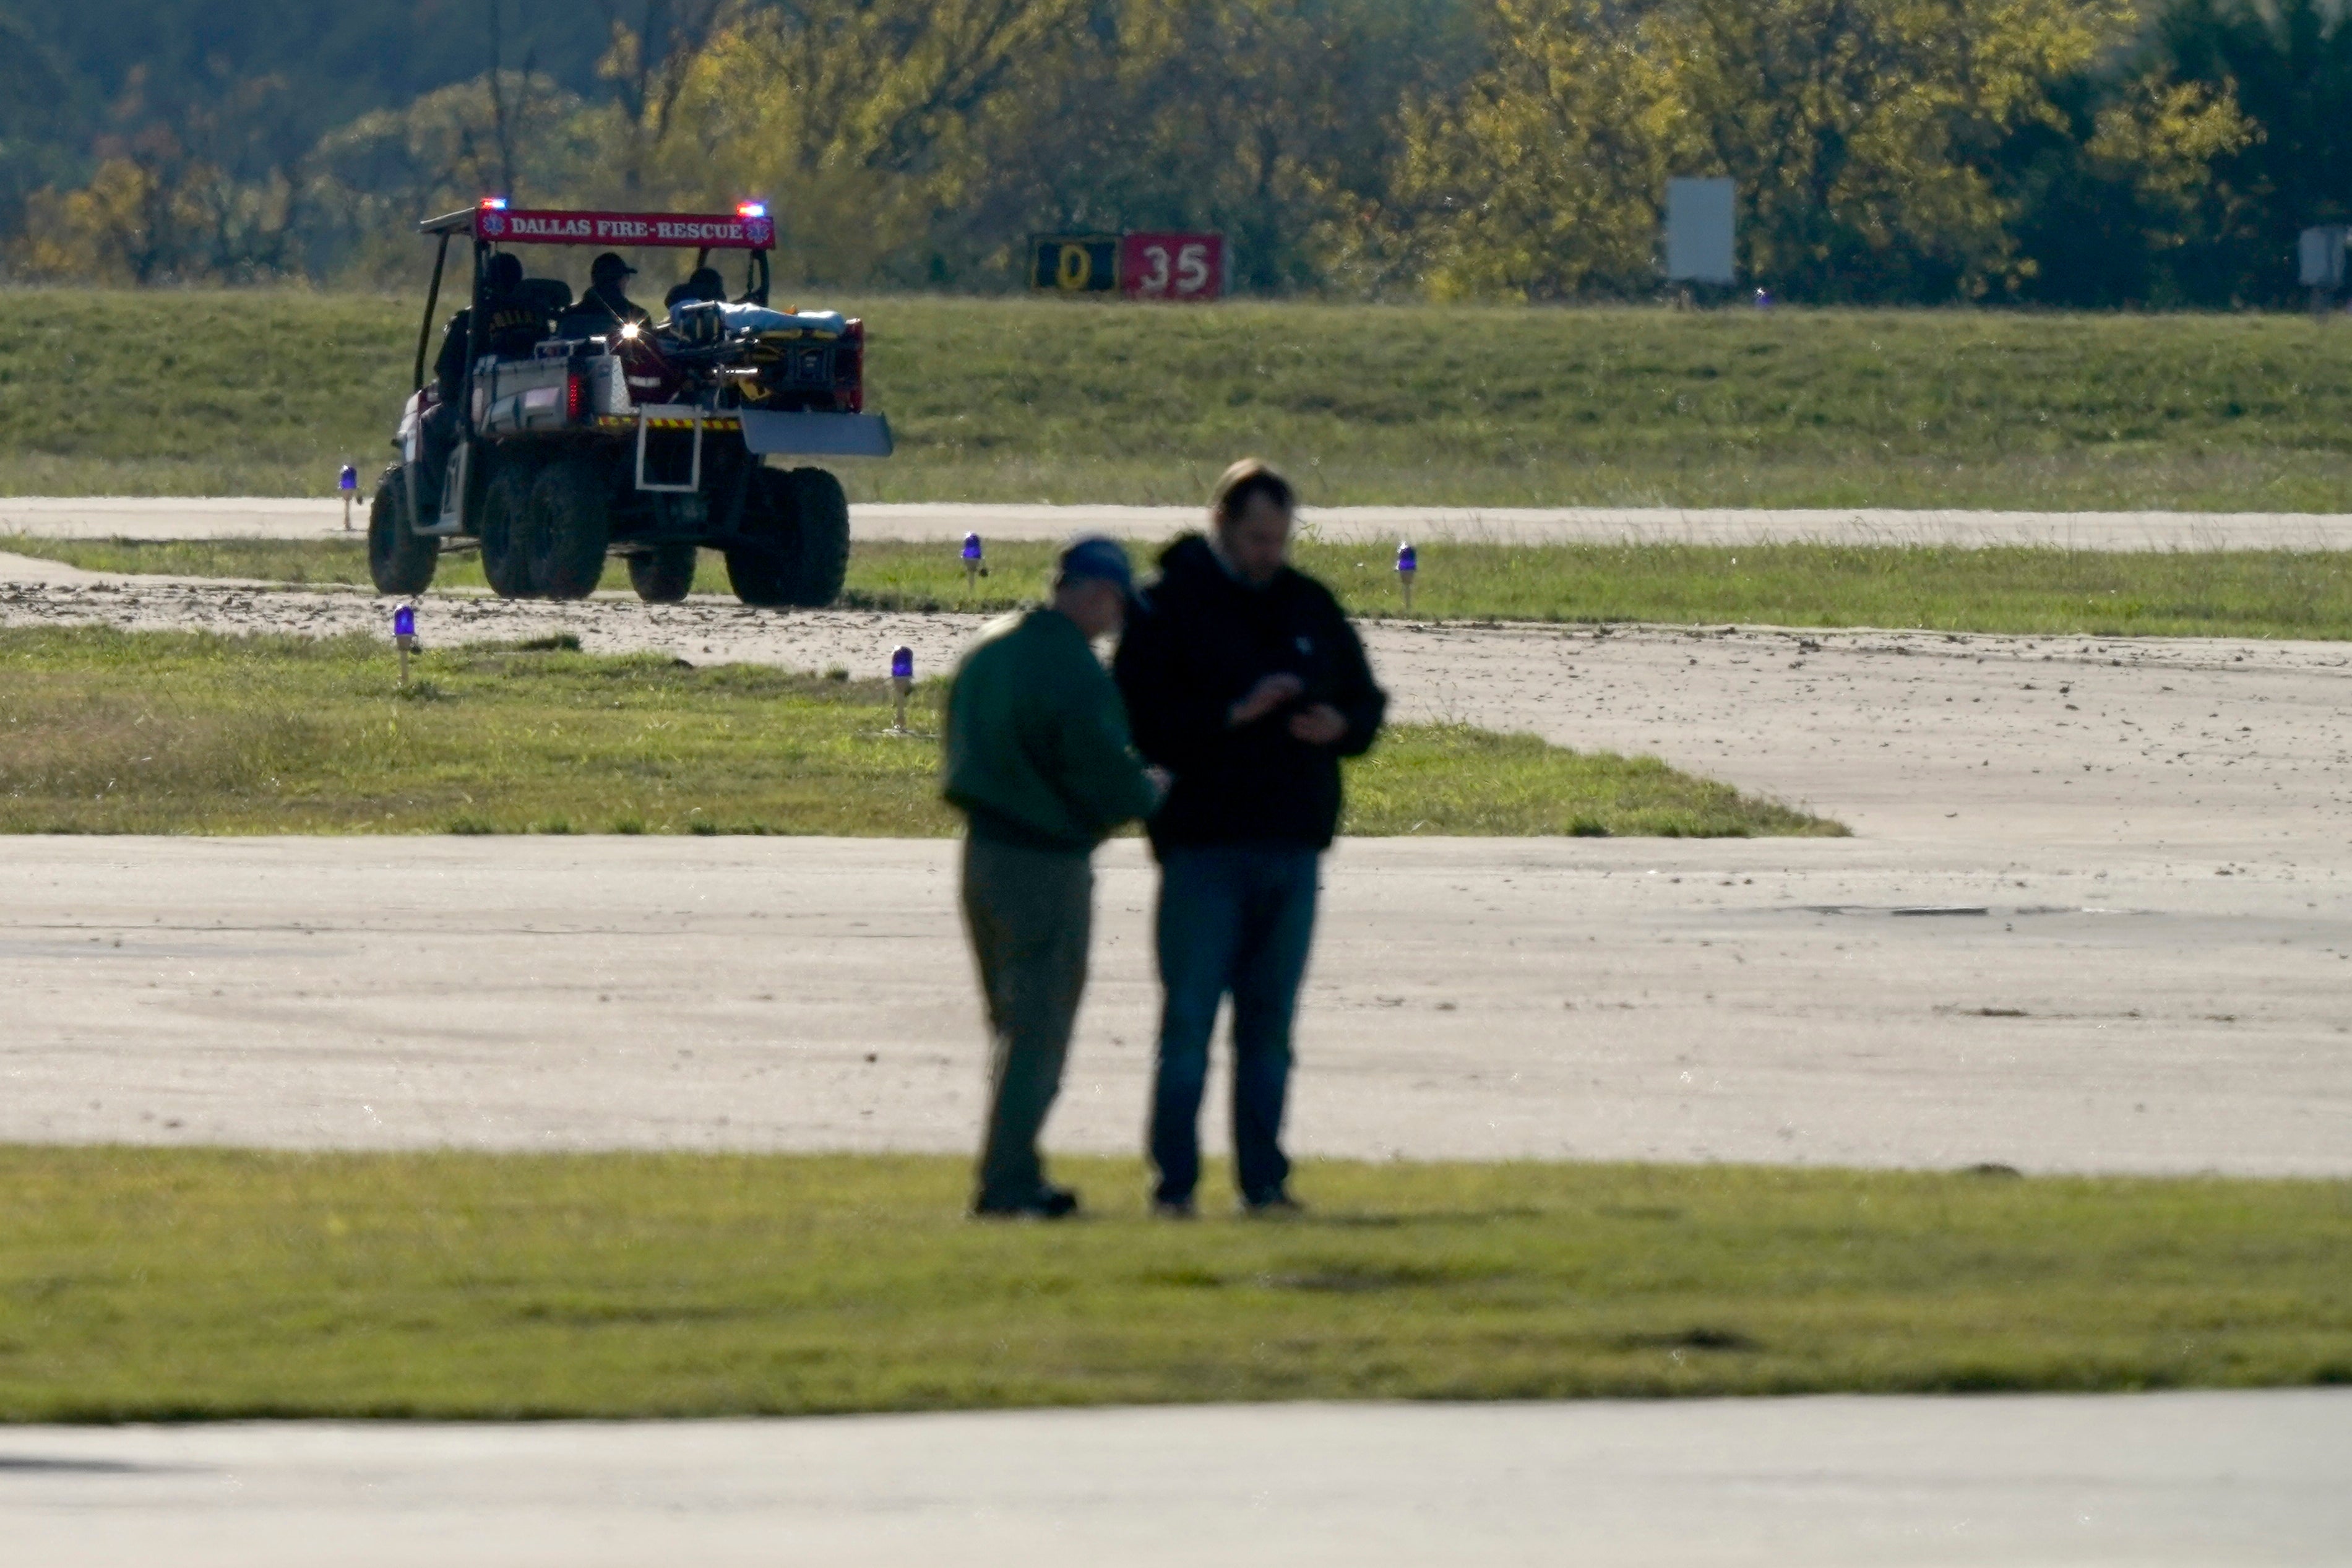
{"x":582,"y":437}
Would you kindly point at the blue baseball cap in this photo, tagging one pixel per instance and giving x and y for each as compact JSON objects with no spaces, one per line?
{"x":1093,"y":557}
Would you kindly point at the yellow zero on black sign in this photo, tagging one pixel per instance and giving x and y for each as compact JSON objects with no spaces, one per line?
{"x":1075,"y":263}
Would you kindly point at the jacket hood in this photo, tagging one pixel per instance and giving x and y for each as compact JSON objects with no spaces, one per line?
{"x":1187,"y":555}
{"x":1190,"y":565}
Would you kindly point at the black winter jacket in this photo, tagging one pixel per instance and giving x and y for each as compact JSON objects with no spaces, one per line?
{"x":1196,"y":642}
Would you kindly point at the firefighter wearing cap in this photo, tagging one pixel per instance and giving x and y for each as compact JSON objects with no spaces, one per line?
{"x":511,"y":325}
{"x":607,"y":294}
{"x":1037,"y":757}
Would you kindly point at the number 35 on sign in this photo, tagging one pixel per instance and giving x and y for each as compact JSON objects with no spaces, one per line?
{"x":1140,"y":266}
{"x":1171,"y":266}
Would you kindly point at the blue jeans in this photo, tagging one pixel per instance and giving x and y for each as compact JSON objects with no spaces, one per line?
{"x":1238,"y":919}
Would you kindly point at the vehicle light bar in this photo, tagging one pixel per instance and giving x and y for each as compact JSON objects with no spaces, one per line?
{"x":750,"y":209}
{"x":494,"y":204}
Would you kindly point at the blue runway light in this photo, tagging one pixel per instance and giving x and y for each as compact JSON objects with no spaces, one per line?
{"x":902,"y":664}
{"x":972,"y":547}
{"x":1407,"y":559}
{"x":404,"y":622}
{"x":349,"y":480}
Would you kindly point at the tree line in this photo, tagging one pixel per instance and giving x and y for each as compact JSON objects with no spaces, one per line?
{"x":2063,"y":151}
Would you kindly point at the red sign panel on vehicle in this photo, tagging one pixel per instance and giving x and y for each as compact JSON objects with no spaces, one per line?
{"x":719,"y":231}
{"x":1171,"y":266}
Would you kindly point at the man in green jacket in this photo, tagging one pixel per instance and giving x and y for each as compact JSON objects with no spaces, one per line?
{"x":1038,"y":759}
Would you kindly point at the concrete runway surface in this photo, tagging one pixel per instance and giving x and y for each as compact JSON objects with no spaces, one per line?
{"x":140,"y":517}
{"x":1471,"y":998}
{"x":1842,"y":1483}
{"x":2157,"y":833}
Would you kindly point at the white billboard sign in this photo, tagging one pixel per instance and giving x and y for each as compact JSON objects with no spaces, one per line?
{"x":1698,"y":231}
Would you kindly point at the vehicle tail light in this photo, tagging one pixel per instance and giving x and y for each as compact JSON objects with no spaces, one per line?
{"x":575,"y":396}
{"x":849,"y":370}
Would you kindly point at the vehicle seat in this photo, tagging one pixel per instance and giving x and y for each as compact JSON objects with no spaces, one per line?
{"x":550,"y":297}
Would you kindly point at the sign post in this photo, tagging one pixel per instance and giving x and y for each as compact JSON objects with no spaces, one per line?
{"x":348,"y":482}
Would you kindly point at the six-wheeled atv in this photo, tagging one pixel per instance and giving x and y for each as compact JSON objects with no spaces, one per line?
{"x":584,"y":439}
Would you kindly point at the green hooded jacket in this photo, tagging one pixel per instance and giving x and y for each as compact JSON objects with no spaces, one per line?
{"x":1037,"y":751}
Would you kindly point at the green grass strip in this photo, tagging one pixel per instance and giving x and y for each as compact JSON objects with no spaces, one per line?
{"x":256,"y":392}
{"x":143,"y":1284}
{"x":2029,"y":591}
{"x":108,"y":732}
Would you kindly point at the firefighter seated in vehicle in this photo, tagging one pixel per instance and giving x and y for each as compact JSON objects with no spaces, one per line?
{"x":607,"y":306}
{"x":513,"y":323}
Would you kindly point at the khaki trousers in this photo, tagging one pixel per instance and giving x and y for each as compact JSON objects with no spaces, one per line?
{"x":1029,"y":914}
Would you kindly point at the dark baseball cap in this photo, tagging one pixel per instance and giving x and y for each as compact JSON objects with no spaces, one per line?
{"x":1093,"y":557}
{"x":610,"y":265}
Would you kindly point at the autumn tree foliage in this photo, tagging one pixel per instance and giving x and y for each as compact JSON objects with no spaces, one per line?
{"x":2087,"y":152}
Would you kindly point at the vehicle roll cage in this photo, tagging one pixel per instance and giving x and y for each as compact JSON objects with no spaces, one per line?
{"x":492,"y":224}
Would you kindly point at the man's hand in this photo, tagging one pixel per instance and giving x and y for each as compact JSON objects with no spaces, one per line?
{"x":1270,"y":693}
{"x":1320,"y":725}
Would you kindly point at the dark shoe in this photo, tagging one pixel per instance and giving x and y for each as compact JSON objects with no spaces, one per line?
{"x":1173,"y":1208}
{"x":1282,"y":1205}
{"x":1051,"y":1202}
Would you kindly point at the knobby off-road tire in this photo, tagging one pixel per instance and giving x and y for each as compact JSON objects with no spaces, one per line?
{"x":400,"y":560}
{"x":663,"y":575}
{"x":570,"y":524}
{"x":823,"y":510}
{"x":796,"y":545}
{"x":506,"y":527}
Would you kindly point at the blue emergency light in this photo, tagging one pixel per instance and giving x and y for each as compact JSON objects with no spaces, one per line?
{"x":404,"y":622}
{"x":750,"y":209}
{"x":902,"y":663}
{"x":972,"y":547}
{"x":348,"y":481}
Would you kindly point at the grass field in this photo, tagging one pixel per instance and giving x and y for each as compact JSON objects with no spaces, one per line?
{"x":104,"y":731}
{"x":2030,"y":590}
{"x":267,"y":393}
{"x":177,"y":1284}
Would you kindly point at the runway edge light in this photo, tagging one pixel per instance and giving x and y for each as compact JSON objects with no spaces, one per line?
{"x":902,"y":681}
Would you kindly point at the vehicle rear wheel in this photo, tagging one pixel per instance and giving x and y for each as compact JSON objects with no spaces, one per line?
{"x":399,"y":560}
{"x":505,"y":528}
{"x":570,"y":524}
{"x":663,"y":575}
{"x":796,"y":540}
{"x":758,"y":567}
{"x":822,"y":509}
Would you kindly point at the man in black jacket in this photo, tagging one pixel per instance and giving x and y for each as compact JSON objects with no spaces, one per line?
{"x":1244,"y":681}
